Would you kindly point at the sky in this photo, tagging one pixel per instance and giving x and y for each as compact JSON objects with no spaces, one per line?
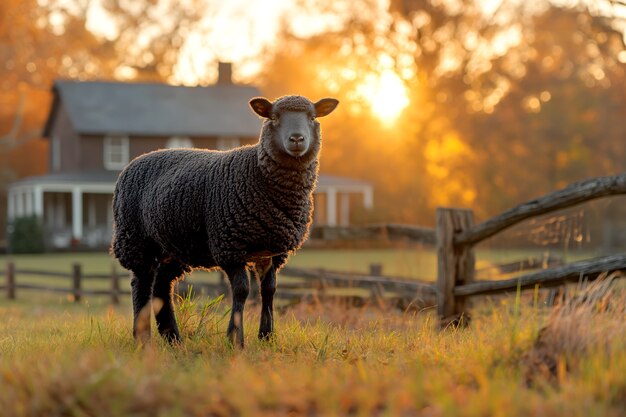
{"x":236,"y":31}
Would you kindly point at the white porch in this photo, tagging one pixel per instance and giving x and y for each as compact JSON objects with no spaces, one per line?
{"x":75,"y":208}
{"x":333,"y":197}
{"x":71,"y":214}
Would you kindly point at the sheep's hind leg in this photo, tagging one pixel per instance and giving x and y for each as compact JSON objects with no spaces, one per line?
{"x":240,"y":286}
{"x":166,"y":276}
{"x":268,"y":288}
{"x":141,"y":288}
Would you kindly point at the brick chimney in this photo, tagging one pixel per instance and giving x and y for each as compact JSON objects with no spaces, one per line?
{"x":224,"y":73}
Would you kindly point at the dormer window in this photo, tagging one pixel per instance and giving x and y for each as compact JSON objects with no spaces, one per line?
{"x":225,"y":143}
{"x":115,"y":152}
{"x":179,"y":142}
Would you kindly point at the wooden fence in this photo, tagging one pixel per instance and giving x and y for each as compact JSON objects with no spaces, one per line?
{"x":76,"y":278}
{"x":455,"y":236}
{"x":304,"y":284}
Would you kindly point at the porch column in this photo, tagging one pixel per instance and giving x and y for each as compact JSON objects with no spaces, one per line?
{"x":38,"y":201}
{"x":331,"y":206}
{"x":368,"y":197}
{"x":77,"y":213}
{"x":344,"y":209}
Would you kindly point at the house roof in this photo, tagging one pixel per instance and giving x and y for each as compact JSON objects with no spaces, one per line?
{"x":73,"y":177}
{"x":98,"y":107}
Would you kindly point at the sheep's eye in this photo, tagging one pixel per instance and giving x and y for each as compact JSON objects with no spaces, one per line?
{"x":312,"y":118}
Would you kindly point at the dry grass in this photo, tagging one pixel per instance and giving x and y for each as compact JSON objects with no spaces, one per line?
{"x":592,"y":319}
{"x":326,"y":360}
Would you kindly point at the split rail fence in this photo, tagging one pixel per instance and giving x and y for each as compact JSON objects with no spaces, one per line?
{"x":455,"y":237}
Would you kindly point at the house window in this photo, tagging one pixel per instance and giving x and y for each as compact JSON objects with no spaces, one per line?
{"x":227,"y":142}
{"x":115,"y":152}
{"x":179,"y":142}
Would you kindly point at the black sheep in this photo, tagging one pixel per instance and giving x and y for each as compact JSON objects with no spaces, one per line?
{"x":179,"y":209}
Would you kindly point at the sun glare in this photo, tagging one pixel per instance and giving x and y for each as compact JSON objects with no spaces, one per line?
{"x":387,"y":96}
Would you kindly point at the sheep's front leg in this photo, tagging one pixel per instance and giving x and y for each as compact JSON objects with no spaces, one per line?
{"x":268,"y":288}
{"x":240,"y":287}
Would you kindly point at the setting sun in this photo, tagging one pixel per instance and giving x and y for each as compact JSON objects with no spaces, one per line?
{"x":387,"y":96}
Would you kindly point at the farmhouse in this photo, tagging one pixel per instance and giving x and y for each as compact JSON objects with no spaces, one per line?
{"x":96,"y":128}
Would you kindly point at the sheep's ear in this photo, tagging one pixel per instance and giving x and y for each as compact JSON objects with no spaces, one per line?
{"x":325,"y":106}
{"x":261,"y":106}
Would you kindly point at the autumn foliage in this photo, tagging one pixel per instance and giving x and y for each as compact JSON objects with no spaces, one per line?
{"x":444,"y":103}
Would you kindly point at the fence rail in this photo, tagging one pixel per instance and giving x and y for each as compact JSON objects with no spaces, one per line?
{"x":76,"y":277}
{"x":317,"y":283}
{"x":589,"y":269}
{"x":391,"y":232}
{"x":313,"y":283}
{"x":455,"y":236}
{"x":569,"y":196}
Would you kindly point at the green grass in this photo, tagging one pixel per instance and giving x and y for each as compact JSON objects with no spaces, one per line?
{"x":65,"y":359}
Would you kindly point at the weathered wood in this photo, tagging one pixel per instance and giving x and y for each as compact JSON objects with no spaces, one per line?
{"x":115,"y":286}
{"x":525,"y":264}
{"x":57,"y":274}
{"x":10,"y":280}
{"x":377,"y":292}
{"x":66,"y":290}
{"x":455,"y":265}
{"x":43,"y":273}
{"x":589,"y":269}
{"x":375,"y":232}
{"x":376,"y":270}
{"x":569,"y":196}
{"x":76,"y":282}
{"x":358,"y":280}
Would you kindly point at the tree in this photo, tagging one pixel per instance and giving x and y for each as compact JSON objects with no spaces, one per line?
{"x":503,"y":105}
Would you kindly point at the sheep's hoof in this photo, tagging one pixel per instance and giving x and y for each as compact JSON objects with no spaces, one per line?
{"x":235,"y":337}
{"x":172,"y":338}
{"x":266,"y":336}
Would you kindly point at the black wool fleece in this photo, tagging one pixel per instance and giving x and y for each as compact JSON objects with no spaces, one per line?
{"x":205,"y":208}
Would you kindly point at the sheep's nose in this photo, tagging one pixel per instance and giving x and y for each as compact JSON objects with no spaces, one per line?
{"x":297,"y":138}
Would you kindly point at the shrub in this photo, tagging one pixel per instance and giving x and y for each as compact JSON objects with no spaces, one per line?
{"x":26,"y":235}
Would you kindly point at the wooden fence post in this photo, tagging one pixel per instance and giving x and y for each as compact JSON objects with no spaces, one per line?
{"x":115,"y":286}
{"x":76,"y":282}
{"x":10,"y":280}
{"x":455,"y":265}
{"x":376,"y":270}
{"x":377,"y":291}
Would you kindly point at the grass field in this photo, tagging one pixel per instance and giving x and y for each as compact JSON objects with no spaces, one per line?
{"x":59,"y":358}
{"x":65,"y":359}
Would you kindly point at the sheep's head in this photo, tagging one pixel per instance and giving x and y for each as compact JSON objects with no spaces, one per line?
{"x":291,"y":130}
